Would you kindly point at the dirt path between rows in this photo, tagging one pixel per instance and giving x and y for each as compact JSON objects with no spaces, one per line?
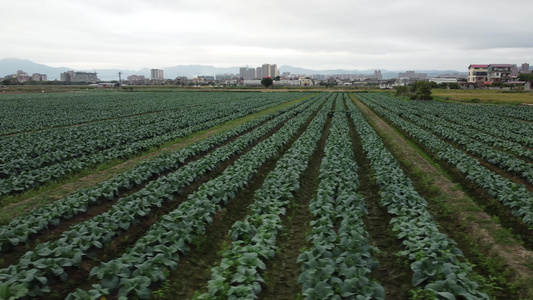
{"x":392,"y":273}
{"x":463,"y":210}
{"x":283,"y":270}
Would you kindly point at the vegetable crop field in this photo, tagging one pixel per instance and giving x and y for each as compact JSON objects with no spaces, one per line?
{"x":253,"y":195}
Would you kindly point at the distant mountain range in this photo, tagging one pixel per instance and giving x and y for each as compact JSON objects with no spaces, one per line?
{"x":386,"y":74}
{"x":12,"y":65}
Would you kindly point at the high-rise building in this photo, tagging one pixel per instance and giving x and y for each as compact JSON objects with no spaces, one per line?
{"x":265,"y":70}
{"x":156,"y":74}
{"x":250,"y":74}
{"x":268,"y":70}
{"x":524,"y":68}
{"x":377,"y":75}
{"x":247,"y":73}
{"x":258,"y":72}
{"x":273,"y":70}
{"x":242,"y":72}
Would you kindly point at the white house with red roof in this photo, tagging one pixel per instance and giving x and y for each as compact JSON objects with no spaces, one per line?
{"x":499,"y":72}
{"x":492,"y":73}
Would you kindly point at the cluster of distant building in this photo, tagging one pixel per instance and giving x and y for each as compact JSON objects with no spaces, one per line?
{"x":253,"y":76}
{"x":246,"y":77}
{"x":478,"y":75}
{"x":265,"y":70}
{"x":495,"y":73}
{"x":22,"y":76}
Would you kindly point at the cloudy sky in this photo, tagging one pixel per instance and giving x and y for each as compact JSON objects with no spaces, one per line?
{"x":347,"y":34}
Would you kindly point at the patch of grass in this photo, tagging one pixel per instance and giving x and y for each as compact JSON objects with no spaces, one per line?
{"x":486,"y":96}
{"x":504,"y":237}
{"x":421,"y":294}
{"x":165,"y":289}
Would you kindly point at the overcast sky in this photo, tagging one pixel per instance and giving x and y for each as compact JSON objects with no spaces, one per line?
{"x":346,"y":34}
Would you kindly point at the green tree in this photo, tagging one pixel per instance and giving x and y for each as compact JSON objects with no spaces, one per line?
{"x":454,"y":86}
{"x":10,"y":81}
{"x":422,"y":90}
{"x":401,"y":90}
{"x":267,"y":81}
{"x":525,"y":76}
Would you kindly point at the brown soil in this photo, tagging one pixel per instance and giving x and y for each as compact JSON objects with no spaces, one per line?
{"x":393,"y":273}
{"x":465,"y":215}
{"x":283,"y":271}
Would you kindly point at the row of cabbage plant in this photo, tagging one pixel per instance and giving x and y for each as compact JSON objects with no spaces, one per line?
{"x":447,"y":115}
{"x":435,"y":261}
{"x":513,"y":195}
{"x":49,"y":260}
{"x":489,"y":140}
{"x":32,"y":112}
{"x":238,"y":276}
{"x":127,"y":142}
{"x":495,"y":120}
{"x":57,"y":144}
{"x":339,"y":262}
{"x":18,"y":230}
{"x":166,"y":241}
{"x":492,"y":119}
{"x":449,"y":132}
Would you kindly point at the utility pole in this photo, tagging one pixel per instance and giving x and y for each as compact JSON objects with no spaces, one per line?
{"x":119,"y":79}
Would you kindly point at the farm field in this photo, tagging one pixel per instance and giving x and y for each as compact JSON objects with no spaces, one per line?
{"x":247,"y":195}
{"x":485,"y":96}
{"x":42,"y":144}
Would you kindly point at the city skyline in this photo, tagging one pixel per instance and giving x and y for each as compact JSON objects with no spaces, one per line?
{"x":8,"y":67}
{"x":344,"y":34}
{"x":478,"y":74}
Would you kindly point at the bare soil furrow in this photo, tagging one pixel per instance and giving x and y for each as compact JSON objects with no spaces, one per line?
{"x":283,"y":271}
{"x":392,"y":273}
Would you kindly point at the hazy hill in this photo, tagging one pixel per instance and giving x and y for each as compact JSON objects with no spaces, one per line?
{"x":386,"y":74}
{"x":11,"y":65}
{"x":197,"y":70}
